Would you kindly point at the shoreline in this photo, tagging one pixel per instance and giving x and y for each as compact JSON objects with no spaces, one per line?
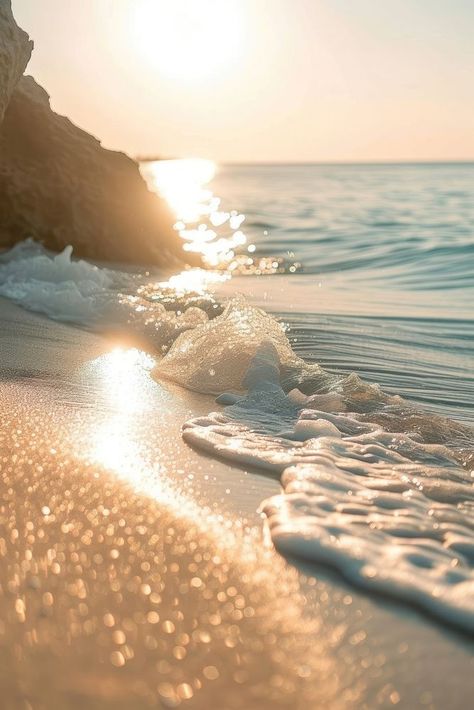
{"x":310,"y":637}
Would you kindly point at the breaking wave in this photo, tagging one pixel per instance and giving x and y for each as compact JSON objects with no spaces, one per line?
{"x":53,"y":284}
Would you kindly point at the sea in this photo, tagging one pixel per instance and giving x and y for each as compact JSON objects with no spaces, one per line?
{"x":333,"y":320}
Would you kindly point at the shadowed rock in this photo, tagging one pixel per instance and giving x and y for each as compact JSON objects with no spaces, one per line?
{"x":59,"y":186}
{"x":15,"y":53}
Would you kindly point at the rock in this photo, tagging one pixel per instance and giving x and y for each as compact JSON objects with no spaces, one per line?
{"x":60,"y":186}
{"x":15,"y":52}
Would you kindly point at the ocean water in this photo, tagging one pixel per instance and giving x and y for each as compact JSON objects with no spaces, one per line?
{"x":334,"y":323}
{"x":387,"y":286}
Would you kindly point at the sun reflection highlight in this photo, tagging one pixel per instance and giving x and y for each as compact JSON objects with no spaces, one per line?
{"x":217,"y":235}
{"x":184,"y":185}
{"x":119,"y":440}
{"x":194,"y":281}
{"x":124,"y":384}
{"x":122,"y":374}
{"x":113,"y":448}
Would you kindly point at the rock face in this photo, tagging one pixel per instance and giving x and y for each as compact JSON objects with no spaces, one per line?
{"x":59,"y":186}
{"x":15,"y":53}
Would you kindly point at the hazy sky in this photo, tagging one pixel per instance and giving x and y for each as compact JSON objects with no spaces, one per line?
{"x":263,"y":80}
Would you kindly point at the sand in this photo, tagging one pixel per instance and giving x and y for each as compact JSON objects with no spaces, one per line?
{"x":135,"y":572}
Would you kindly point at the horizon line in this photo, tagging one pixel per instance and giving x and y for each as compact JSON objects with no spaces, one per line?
{"x":270,"y":163}
{"x":467,"y":161}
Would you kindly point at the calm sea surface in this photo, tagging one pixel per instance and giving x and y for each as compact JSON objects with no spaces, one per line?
{"x":378,"y":263}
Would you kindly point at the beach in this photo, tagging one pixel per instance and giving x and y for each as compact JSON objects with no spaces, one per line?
{"x":136,"y":572}
{"x":236,"y":387}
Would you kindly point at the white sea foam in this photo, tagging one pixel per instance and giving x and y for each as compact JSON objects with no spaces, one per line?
{"x":56,"y":285}
{"x":75,"y":291}
{"x":383,"y":530}
{"x":216,"y":356}
{"x":392,"y":513}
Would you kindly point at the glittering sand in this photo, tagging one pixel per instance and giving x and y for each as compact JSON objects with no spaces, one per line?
{"x":134,"y":572}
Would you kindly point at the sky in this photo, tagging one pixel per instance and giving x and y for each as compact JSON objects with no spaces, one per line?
{"x":261,"y":80}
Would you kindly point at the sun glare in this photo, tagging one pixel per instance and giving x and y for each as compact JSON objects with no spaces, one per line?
{"x":184,"y":185}
{"x":189,"y":39}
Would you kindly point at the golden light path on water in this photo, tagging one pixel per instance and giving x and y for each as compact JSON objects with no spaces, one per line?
{"x":184,"y":185}
{"x":205,"y":227}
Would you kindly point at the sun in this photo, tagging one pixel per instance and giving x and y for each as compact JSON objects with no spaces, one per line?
{"x":189,"y":40}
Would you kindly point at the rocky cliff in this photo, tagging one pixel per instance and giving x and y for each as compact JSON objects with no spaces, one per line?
{"x":15,"y":52}
{"x":59,"y":186}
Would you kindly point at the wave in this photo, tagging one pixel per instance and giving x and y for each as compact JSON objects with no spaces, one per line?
{"x":370,"y":485}
{"x":55,"y":285}
{"x":81,"y":293}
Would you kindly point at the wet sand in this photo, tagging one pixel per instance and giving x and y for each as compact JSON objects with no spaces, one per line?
{"x":134,"y":572}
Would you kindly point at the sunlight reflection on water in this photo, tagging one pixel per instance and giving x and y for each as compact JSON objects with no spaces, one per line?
{"x":204,"y":226}
{"x":194,"y":281}
{"x":184,"y":185}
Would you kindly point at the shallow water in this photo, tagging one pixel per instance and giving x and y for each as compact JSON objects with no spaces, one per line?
{"x":359,"y":392}
{"x":382,"y":259}
{"x":395,"y":226}
{"x":387,"y":285}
